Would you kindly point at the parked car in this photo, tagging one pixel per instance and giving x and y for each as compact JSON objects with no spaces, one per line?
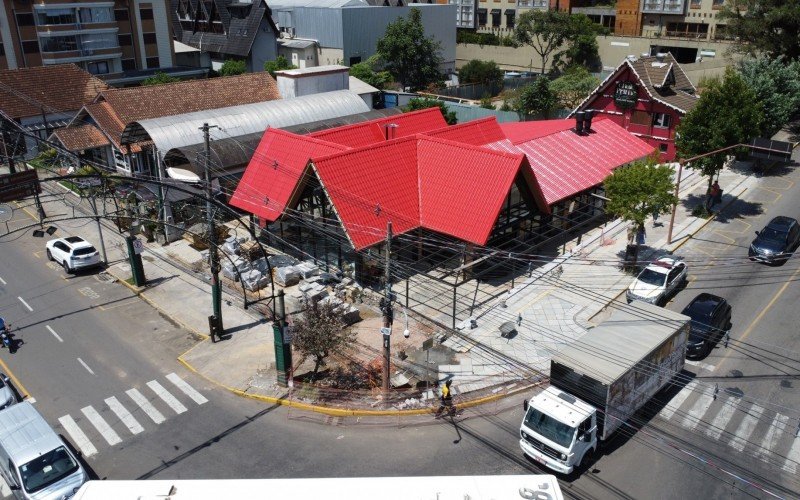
{"x":711,"y":320}
{"x":7,"y":396}
{"x":776,"y":242}
{"x":73,"y":253}
{"x":658,"y":281}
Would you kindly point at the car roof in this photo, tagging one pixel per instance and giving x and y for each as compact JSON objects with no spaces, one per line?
{"x":76,"y":242}
{"x":663,"y":265}
{"x":702,"y":305}
{"x":781,"y":223}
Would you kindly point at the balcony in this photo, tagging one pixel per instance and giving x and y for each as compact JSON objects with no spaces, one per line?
{"x":676,"y":7}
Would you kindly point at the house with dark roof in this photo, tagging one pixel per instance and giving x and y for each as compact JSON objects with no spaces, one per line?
{"x":95,"y":132}
{"x":227,"y":29}
{"x":44,"y":98}
{"x":647,"y":96}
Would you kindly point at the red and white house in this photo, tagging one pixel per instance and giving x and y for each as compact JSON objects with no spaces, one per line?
{"x":647,"y":96}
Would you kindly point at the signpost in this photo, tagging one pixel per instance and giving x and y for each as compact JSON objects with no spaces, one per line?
{"x":626,"y":95}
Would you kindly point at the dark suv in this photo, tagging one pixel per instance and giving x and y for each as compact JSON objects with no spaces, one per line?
{"x":711,"y":319}
{"x":776,"y":242}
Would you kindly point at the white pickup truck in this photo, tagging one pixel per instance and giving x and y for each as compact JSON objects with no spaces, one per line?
{"x":600,"y":380}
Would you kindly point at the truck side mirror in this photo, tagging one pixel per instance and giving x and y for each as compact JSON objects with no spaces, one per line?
{"x":525,"y":405}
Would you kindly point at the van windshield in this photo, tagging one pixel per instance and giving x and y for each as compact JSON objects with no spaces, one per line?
{"x":47,"y":469}
{"x":547,"y":426}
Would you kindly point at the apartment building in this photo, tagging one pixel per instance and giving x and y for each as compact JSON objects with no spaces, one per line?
{"x":499,"y":16}
{"x":692,"y":19}
{"x":105,"y":38}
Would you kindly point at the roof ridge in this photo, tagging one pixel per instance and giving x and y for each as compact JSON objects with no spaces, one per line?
{"x":308,"y":138}
{"x":464,"y":145}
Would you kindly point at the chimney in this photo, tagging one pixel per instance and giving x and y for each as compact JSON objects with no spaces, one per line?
{"x":660,"y":57}
{"x":587,"y":122}
{"x":579,"y":119}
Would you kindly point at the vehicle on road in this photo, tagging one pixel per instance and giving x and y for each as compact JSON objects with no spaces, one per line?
{"x":34,"y":461}
{"x":658,"y":281}
{"x":776,"y":242}
{"x":711,"y":320}
{"x":7,"y":396}
{"x":599,"y":381}
{"x":73,"y":253}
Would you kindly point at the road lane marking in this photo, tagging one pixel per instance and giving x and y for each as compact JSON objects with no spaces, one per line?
{"x":124,"y":415}
{"x":701,"y":365}
{"x":793,"y":457}
{"x":677,"y":401}
{"x":25,"y":304}
{"x":3,"y":281}
{"x":145,"y":405}
{"x":698,"y":409}
{"x":774,"y":432}
{"x":24,"y":394}
{"x":85,"y":366}
{"x":166,"y":396}
{"x":77,"y":435}
{"x":187,"y":389}
{"x":54,"y":333}
{"x":717,"y":426}
{"x":746,"y":428}
{"x":101,"y":425}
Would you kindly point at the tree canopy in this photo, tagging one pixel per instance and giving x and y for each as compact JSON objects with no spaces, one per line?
{"x":536,"y":98}
{"x":776,"y":84}
{"x":573,"y":86}
{"x":280,"y":63}
{"x":727,"y":113}
{"x":581,"y":40}
{"x":543,"y":30}
{"x":319,"y":332}
{"x":411,"y":58}
{"x":160,"y":78}
{"x":232,"y":67}
{"x":426,"y":102}
{"x":370,"y":73}
{"x":768,"y":27}
{"x":485,"y":72}
{"x":639,"y":190}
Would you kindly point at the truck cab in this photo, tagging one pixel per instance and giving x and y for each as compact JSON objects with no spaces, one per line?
{"x":558,"y":430}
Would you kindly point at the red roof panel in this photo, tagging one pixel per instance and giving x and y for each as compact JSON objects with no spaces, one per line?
{"x":275,"y":171}
{"x":475,"y":132}
{"x":518,"y":132}
{"x":375,"y":131}
{"x":371,"y":186}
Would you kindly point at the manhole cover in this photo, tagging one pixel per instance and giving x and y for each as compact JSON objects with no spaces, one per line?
{"x":104,"y":277}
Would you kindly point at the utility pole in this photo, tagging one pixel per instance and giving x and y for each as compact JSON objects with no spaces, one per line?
{"x":386,"y":308}
{"x":93,"y":204}
{"x":215,"y":321}
{"x":4,"y":138}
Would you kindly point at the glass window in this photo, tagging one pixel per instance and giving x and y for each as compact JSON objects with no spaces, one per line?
{"x":47,"y":469}
{"x":96,"y":15}
{"x":121,"y":15}
{"x":640,"y":118}
{"x":128,"y":64}
{"x":149,"y":37}
{"x":59,"y":43}
{"x":25,"y":19}
{"x":663,"y":147}
{"x":125,"y":40}
{"x":662,"y":120}
{"x":97,"y":68}
{"x":56,"y":16}
{"x":548,"y":427}
{"x":99,"y":41}
{"x":153,"y":62}
{"x":146,"y":13}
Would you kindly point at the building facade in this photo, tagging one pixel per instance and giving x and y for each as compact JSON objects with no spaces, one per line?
{"x":105,"y":38}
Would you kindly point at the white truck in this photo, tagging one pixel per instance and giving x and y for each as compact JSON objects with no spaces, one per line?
{"x":600,"y":380}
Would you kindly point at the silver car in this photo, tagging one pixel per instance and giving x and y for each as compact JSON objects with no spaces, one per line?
{"x":658,"y":281}
{"x":7,"y":396}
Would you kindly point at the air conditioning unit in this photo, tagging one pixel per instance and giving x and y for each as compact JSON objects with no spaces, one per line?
{"x":290,"y":32}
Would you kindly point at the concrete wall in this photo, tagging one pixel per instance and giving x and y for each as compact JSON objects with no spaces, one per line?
{"x":330,"y":56}
{"x":290,"y":87}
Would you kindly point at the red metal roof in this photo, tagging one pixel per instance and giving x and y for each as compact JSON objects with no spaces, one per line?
{"x":477,"y":132}
{"x":518,"y":132}
{"x":566,"y":164}
{"x":375,"y":131}
{"x":275,"y":171}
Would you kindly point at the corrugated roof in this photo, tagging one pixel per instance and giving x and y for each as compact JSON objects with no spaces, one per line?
{"x":375,"y":131}
{"x":275,"y":172}
{"x":56,"y":88}
{"x":518,"y":132}
{"x":176,"y":131}
{"x":565,"y":163}
{"x":476,"y":132}
{"x":81,"y":138}
{"x":297,"y":44}
{"x":319,"y":125}
{"x":609,"y":350}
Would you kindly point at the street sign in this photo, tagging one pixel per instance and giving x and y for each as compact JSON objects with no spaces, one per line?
{"x":386,"y":331}
{"x":17,"y":186}
{"x":427,"y":344}
{"x":138,"y":246}
{"x":287,"y":334}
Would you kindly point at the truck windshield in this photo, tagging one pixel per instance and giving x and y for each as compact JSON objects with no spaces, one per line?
{"x":549,"y":427}
{"x":47,"y":469}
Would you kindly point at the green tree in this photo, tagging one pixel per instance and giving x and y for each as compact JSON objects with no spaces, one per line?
{"x":160,"y":78}
{"x":233,"y":67}
{"x":426,"y":102}
{"x":280,"y":63}
{"x":320,"y":331}
{"x":768,"y":27}
{"x":369,"y":72}
{"x":484,"y":72}
{"x":777,"y":87}
{"x":543,"y":30}
{"x":573,"y":86}
{"x":411,"y":58}
{"x":536,"y":98}
{"x":727,"y":113}
{"x":581,"y":40}
{"x":486,"y":103}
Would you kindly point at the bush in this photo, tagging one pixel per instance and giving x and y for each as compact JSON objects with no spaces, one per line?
{"x":477,"y":38}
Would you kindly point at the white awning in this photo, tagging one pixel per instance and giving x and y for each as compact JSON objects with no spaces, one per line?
{"x":181,"y":174}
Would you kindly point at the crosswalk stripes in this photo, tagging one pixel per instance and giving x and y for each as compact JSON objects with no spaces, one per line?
{"x":793,"y":457}
{"x":773,"y":433}
{"x":124,"y":417}
{"x":724,"y":416}
{"x":699,"y":408}
{"x":746,"y":428}
{"x":677,"y":401}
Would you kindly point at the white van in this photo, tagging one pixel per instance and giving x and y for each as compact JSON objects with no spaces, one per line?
{"x":34,"y":461}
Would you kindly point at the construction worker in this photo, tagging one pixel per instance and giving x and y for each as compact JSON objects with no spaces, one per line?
{"x":446,"y":400}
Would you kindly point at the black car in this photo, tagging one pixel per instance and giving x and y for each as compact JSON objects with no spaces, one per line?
{"x":711,"y":319}
{"x":776,"y":242}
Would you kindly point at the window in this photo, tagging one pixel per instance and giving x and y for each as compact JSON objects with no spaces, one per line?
{"x":56,"y":16}
{"x":97,"y":68}
{"x":128,"y":64}
{"x":95,"y":15}
{"x":149,"y":37}
{"x":99,"y":41}
{"x":25,"y":19}
{"x":662,"y":120}
{"x":2,"y":50}
{"x":59,"y":43}
{"x":125,"y":40}
{"x":121,"y":15}
{"x":152,"y":62}
{"x":146,"y":14}
{"x":30,"y":47}
{"x":663,"y":147}
{"x":640,"y":118}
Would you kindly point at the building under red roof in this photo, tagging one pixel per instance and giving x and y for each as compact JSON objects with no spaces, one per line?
{"x":382,"y":129}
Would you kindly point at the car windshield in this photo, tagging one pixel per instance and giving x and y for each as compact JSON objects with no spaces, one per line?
{"x":652,"y":277}
{"x":771,"y":234}
{"x":549,"y":427}
{"x":84,"y":251}
{"x":47,"y":469}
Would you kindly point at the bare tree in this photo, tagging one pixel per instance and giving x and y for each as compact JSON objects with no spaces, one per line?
{"x":319,"y":332}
